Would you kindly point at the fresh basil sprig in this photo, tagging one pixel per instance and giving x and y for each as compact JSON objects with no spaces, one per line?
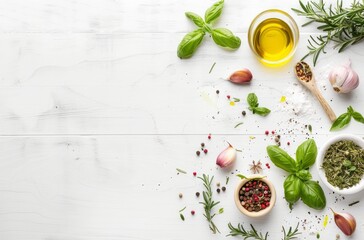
{"x":252,"y":100}
{"x":299,"y":184}
{"x":344,"y":119}
{"x":221,"y":36}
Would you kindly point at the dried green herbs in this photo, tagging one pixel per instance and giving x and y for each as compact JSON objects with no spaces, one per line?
{"x":344,"y":164}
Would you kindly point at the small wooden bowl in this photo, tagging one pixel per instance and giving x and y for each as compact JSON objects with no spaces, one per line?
{"x":261,"y":212}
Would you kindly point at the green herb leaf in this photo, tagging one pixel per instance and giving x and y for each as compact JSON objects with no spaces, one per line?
{"x":252,"y":100}
{"x":182,"y":209}
{"x":227,"y":180}
{"x":236,"y":99}
{"x":310,"y":128}
{"x":341,"y":121}
{"x":214,"y":12}
{"x":195,"y":18}
{"x":225,"y":38}
{"x":262,"y":111}
{"x":306,"y":154}
{"x":190,"y":43}
{"x":304,"y":175}
{"x":358,"y":117}
{"x":237,"y":125}
{"x":292,"y":189}
{"x":212,"y":67}
{"x":241,"y":176}
{"x":221,"y":210}
{"x":181,"y":216}
{"x":281,"y":159}
{"x":347,"y":163}
{"x":313,"y":195}
{"x":181,"y":171}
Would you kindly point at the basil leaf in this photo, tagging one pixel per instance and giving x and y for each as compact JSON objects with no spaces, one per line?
{"x":313,"y":195}
{"x":214,"y":12}
{"x":195,"y":18}
{"x":252,"y":100}
{"x":281,"y":159}
{"x":262,"y":111}
{"x":225,"y":38}
{"x":292,"y":189}
{"x":358,"y":117}
{"x":341,"y":121}
{"x":306,"y":154}
{"x":190,"y":43}
{"x":304,"y":175}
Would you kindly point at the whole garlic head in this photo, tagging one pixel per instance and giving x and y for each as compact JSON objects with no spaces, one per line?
{"x":343,"y":78}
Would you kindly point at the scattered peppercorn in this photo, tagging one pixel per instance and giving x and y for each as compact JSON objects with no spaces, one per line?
{"x":217,"y":91}
{"x":273,"y":132}
{"x":180,"y":195}
{"x":266,"y":132}
{"x":223,"y":189}
{"x":197,"y":194}
{"x":193,"y":212}
{"x":202,"y":144}
{"x":218,"y":190}
{"x":276,"y":139}
{"x":198,"y":153}
{"x":228,"y":96}
{"x":194,"y":174}
{"x":278,"y":136}
{"x":205,"y":151}
{"x":243,"y":113}
{"x":288,"y":143}
{"x":209,"y":136}
{"x":218,"y":184}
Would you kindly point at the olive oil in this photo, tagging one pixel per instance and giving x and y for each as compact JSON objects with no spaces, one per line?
{"x":273,"y":39}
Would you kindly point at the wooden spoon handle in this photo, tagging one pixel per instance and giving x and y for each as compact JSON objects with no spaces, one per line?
{"x":330,"y":113}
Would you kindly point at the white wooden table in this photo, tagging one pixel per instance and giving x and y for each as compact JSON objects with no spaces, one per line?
{"x":97,"y":112}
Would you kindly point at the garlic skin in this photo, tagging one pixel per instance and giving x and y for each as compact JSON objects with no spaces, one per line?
{"x":243,"y":76}
{"x":346,"y":222}
{"x":343,"y":78}
{"x":226,"y":157}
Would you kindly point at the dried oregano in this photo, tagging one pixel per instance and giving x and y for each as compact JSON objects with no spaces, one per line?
{"x":344,"y":164}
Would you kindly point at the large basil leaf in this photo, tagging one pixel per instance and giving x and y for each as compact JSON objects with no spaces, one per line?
{"x":252,"y":100}
{"x":225,"y":38}
{"x":306,"y":154}
{"x":281,"y":159}
{"x":292,"y":189}
{"x":195,"y":18}
{"x":262,"y":111}
{"x":313,"y":195}
{"x":341,"y":121}
{"x":358,"y":117}
{"x":304,"y":175}
{"x":190,"y":43}
{"x":214,"y":12}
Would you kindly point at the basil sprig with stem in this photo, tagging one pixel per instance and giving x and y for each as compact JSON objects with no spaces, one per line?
{"x":299,"y":184}
{"x":252,"y":100}
{"x":221,"y":36}
{"x":344,"y":119}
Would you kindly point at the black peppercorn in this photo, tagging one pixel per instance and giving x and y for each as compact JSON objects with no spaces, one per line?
{"x":223,"y":189}
{"x":243,"y":113}
{"x":197,"y":194}
{"x":218,"y":190}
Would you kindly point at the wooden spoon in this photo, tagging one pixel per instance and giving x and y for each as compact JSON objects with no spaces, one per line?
{"x":305,"y":76}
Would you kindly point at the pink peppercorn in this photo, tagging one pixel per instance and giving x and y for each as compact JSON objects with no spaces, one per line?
{"x":266,"y":132}
{"x":193,"y":212}
{"x":209,"y":136}
{"x":273,"y":132}
{"x":288,"y":143}
{"x":194,"y":174}
{"x":228,"y":96}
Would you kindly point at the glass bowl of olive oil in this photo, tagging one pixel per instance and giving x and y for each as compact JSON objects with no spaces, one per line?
{"x":273,"y":37}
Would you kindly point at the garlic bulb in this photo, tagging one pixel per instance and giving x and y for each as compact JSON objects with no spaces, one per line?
{"x":343,"y":78}
{"x":226,"y":157}
{"x":346,"y":222}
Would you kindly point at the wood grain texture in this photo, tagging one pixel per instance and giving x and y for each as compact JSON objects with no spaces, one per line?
{"x":97,"y":112}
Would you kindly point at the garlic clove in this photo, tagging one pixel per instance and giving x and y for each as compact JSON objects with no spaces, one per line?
{"x":226,"y":157}
{"x":343,"y":78}
{"x":346,"y":222}
{"x":241,"y":76}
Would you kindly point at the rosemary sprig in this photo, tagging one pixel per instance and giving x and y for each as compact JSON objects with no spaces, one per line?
{"x":291,"y":234}
{"x":240,"y":231}
{"x":208,"y":203}
{"x":344,"y":26}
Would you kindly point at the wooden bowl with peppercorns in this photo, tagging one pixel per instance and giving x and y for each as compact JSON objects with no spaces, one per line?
{"x":255,"y":196}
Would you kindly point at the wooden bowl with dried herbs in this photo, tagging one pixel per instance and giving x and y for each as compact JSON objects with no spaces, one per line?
{"x":340,"y":164}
